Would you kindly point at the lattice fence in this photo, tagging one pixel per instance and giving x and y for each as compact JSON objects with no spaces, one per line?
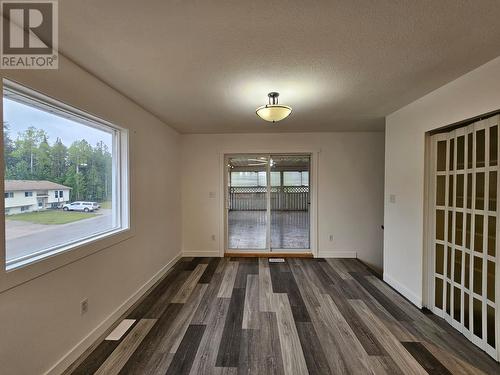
{"x":283,"y":198}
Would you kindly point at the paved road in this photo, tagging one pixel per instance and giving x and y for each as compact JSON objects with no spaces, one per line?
{"x":45,"y":236}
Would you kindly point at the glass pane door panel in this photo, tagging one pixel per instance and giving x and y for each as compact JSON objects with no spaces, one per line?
{"x":470,"y":146}
{"x":478,"y":275}
{"x":466,"y":310}
{"x":438,"y":294}
{"x":490,"y":281}
{"x":492,"y":204}
{"x":460,"y":190}
{"x":480,"y":149}
{"x":461,"y":152}
{"x":494,"y":145}
{"x":440,"y":190}
{"x":439,"y":259}
{"x":477,"y":317}
{"x":469,"y":190}
{"x":290,"y":198}
{"x":458,"y":266}
{"x":457,"y":304}
{"x":490,"y":319}
{"x":492,"y":235}
{"x":247,"y":202}
{"x":467,"y":271}
{"x":441,"y":156}
{"x":448,"y":298}
{"x":480,"y":191}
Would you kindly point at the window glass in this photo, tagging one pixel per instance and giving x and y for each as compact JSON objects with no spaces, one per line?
{"x":296,"y":178}
{"x":248,"y":179}
{"x":275,"y":178}
{"x":50,"y":148}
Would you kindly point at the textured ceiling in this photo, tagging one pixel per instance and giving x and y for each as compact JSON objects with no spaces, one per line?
{"x":204,"y":66}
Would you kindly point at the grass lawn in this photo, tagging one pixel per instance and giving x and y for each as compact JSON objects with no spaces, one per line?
{"x":51,"y":217}
{"x":106,"y":204}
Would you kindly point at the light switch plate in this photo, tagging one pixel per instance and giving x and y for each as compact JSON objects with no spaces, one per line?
{"x":392,"y":198}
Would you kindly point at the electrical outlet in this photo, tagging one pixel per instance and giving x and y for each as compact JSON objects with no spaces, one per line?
{"x":213,"y":237}
{"x":84,"y":306}
{"x":392,"y":198}
{"x":331,"y":237}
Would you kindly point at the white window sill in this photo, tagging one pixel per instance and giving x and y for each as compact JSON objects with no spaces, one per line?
{"x":56,"y":250}
{"x":19,"y":271}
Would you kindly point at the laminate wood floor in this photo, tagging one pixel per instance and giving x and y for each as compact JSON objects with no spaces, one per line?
{"x":248,"y":316}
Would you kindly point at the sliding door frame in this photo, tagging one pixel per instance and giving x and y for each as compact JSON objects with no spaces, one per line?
{"x":313,"y":191}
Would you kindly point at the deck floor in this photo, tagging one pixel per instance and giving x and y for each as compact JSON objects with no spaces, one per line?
{"x":248,"y":230}
{"x":247,"y":316}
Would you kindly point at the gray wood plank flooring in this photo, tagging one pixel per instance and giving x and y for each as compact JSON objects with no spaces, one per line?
{"x":304,"y":316}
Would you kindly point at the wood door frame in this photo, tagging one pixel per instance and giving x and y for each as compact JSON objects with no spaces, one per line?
{"x":313,"y":191}
{"x":429,"y":228}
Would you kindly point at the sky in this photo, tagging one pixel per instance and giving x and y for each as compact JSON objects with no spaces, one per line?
{"x":20,"y":117}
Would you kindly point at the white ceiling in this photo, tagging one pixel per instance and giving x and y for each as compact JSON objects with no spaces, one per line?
{"x":204,"y":66}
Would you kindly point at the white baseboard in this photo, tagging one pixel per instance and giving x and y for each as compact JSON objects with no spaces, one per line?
{"x":214,"y":253}
{"x":337,"y":254}
{"x":411,"y":296}
{"x":107,"y":323}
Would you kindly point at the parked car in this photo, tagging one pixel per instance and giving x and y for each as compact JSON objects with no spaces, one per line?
{"x":96,"y":205}
{"x":80,"y":206}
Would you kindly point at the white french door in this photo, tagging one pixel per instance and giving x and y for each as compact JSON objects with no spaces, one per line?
{"x":465,"y":260}
{"x":267,"y":202}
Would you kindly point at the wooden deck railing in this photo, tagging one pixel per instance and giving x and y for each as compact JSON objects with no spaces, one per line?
{"x":283,"y":198}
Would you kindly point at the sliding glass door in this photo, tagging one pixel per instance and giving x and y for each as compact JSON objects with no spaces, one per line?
{"x":247,"y":202}
{"x":289,"y":201}
{"x":267,"y":203}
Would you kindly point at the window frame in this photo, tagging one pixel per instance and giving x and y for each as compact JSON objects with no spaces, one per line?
{"x":13,"y":273}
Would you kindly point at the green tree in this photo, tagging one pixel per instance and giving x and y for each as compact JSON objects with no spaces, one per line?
{"x":25,"y":148}
{"x":8,"y":148}
{"x":79,"y":156}
{"x":85,"y":169}
{"x":58,"y":161}
{"x":43,"y":167}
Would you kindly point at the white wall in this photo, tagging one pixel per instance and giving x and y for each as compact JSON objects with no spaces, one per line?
{"x":40,"y":320}
{"x":475,"y":93}
{"x":19,"y":199}
{"x":350,"y":190}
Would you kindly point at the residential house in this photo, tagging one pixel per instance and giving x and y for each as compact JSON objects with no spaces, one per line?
{"x":29,"y":195}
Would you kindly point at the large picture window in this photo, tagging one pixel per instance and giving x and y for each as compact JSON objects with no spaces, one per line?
{"x":64,"y":183}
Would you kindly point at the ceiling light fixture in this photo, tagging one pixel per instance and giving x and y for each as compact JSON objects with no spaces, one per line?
{"x":273,"y":112}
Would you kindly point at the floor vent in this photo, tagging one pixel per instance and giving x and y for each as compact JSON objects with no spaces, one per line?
{"x":276,"y":260}
{"x":120,"y":330}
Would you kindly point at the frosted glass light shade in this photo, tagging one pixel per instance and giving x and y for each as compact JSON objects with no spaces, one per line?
{"x":273,"y":112}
